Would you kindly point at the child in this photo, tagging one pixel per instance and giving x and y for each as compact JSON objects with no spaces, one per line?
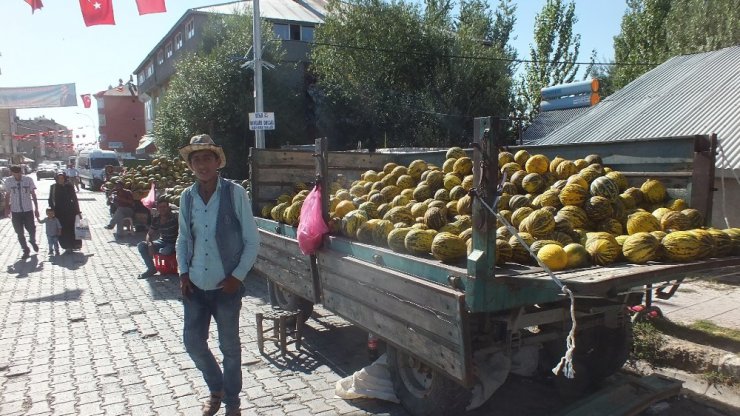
{"x":53,"y":231}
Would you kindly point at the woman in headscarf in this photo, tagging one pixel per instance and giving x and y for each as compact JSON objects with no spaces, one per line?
{"x":63,"y":199}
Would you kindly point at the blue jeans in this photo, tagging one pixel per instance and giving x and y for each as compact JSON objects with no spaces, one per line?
{"x":159,"y":247}
{"x":224,"y":308}
{"x":53,"y":241}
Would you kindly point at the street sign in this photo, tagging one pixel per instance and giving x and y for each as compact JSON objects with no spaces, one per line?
{"x":261,"y":121}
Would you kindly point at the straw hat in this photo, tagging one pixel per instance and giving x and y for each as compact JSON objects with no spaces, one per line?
{"x":202,"y":142}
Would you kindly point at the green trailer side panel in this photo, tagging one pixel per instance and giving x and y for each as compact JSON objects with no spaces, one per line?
{"x":425,"y":319}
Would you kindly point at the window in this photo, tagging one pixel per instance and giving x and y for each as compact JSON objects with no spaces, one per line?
{"x":168,"y":50}
{"x":160,"y":57}
{"x":100,"y":163}
{"x":307,"y":33}
{"x":281,"y":31}
{"x":101,"y":120}
{"x":149,"y":70}
{"x":101,"y":104}
{"x":140,"y":77}
{"x":295,"y":32}
{"x":178,"y":41}
{"x":190,"y":28}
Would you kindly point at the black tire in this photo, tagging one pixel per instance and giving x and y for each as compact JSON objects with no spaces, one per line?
{"x":600,"y":352}
{"x":286,"y":300}
{"x":423,"y":390}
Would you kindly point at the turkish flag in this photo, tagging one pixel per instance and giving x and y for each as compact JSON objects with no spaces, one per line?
{"x":151,"y":6}
{"x":86,"y":101}
{"x":97,"y":12}
{"x":35,"y":4}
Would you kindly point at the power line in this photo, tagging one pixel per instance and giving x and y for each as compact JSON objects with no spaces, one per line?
{"x":477,"y":58}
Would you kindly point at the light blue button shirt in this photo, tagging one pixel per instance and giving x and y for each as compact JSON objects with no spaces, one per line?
{"x":206,"y":270}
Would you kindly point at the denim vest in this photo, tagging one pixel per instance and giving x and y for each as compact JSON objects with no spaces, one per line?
{"x":228,"y":227}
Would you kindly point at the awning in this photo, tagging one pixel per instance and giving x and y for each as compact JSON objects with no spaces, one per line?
{"x":145,"y":141}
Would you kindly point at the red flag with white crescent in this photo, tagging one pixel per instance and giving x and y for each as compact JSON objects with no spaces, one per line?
{"x":97,"y":12}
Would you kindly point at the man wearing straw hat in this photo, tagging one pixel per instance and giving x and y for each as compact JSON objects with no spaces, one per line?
{"x":217,"y":245}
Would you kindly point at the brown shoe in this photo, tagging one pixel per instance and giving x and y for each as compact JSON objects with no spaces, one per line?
{"x":212,"y":404}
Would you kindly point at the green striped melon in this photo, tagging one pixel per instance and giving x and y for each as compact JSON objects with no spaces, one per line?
{"x":539,"y":223}
{"x":640,"y":248}
{"x":352,"y":222}
{"x":419,"y":241}
{"x":396,"y":239}
{"x":674,"y":221}
{"x":642,"y":222}
{"x":605,"y":187}
{"x":399,"y":214}
{"x":706,"y":243}
{"x":503,"y":252}
{"x":448,"y":247}
{"x":722,"y":243}
{"x":694,"y":216}
{"x":603,"y":248}
{"x":681,"y":246}
{"x":598,"y":208}
{"x":519,"y":254}
{"x":435,"y":218}
{"x":573,"y":194}
{"x":653,"y":191}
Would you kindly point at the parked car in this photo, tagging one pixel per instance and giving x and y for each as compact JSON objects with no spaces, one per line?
{"x":46,"y":170}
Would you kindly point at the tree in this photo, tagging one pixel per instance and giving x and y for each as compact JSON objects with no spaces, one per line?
{"x":392,"y":74}
{"x":552,"y":58}
{"x":211,"y":93}
{"x":653,"y":31}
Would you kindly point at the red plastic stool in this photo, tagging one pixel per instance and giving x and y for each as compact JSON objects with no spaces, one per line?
{"x":165,"y":264}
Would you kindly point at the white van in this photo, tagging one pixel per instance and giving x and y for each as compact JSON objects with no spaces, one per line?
{"x":91,"y":164}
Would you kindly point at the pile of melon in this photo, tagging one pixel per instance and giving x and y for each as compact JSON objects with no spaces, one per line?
{"x":571,"y":213}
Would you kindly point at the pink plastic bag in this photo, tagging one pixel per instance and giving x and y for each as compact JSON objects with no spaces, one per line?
{"x":151,"y":199}
{"x":312,"y":227}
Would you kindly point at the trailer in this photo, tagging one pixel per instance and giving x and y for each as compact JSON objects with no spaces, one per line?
{"x":440,"y":321}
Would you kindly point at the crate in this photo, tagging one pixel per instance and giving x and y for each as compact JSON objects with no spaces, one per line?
{"x":165,"y":264}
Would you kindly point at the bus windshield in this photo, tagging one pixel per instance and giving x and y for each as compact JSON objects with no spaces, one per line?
{"x":100,"y":163}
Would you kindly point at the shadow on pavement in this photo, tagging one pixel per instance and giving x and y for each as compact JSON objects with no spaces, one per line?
{"x":23,"y":267}
{"x":71,"y":261}
{"x":70,"y":294}
{"x":164,"y":287}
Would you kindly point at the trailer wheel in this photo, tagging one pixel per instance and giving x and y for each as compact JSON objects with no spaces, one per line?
{"x":600,"y":352}
{"x":423,"y":390}
{"x":286,"y":300}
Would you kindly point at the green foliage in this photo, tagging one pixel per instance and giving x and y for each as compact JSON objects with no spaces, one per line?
{"x":211,"y":93}
{"x":653,"y":31}
{"x":647,"y":342}
{"x":392,"y":74}
{"x":552,"y":57}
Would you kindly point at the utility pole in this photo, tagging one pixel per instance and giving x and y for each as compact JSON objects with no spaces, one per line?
{"x":259,"y":135}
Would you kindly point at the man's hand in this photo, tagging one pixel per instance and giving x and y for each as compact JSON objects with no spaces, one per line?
{"x":186,"y":288}
{"x":36,"y":212}
{"x":230,"y":285}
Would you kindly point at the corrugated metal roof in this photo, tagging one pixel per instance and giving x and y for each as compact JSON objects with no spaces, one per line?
{"x":548,"y":121}
{"x":309,"y":11}
{"x":686,"y":95}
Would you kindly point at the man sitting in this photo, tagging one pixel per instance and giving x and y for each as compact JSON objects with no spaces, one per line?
{"x":165,"y":224}
{"x":123,"y":201}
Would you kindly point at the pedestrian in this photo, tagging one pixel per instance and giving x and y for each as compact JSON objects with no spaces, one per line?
{"x":216,"y":246}
{"x":123,"y":202}
{"x":74,"y":176}
{"x":53,"y":231}
{"x":22,"y":194}
{"x":165,"y":224}
{"x":63,"y":200}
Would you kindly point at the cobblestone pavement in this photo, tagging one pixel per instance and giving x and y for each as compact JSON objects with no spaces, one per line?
{"x":82,"y":335}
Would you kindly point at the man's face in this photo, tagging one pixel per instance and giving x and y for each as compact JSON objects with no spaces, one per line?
{"x":205,"y":164}
{"x":17,"y":175}
{"x":163,"y":208}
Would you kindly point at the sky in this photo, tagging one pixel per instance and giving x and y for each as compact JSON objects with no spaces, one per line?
{"x":53,"y":46}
